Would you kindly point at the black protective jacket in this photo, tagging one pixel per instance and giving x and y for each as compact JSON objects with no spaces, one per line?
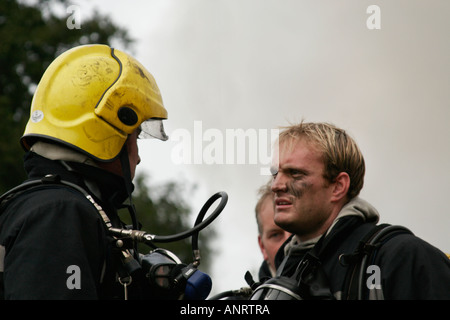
{"x":54,"y":242}
{"x":410,"y":267}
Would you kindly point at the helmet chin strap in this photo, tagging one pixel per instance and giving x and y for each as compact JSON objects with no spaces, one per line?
{"x":125,"y":164}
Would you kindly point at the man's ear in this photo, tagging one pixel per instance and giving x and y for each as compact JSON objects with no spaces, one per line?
{"x":341,"y":186}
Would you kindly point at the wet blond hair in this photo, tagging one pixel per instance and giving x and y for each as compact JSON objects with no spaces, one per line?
{"x":340,"y":153}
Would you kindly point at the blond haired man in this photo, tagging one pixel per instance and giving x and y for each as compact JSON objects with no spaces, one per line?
{"x":316,"y":183}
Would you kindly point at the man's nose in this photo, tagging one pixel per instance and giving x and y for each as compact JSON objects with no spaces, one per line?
{"x":279,"y":183}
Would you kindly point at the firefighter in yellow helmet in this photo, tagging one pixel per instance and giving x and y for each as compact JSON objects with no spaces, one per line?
{"x":89,"y":108}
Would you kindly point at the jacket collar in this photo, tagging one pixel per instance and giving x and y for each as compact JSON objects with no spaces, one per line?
{"x":357,"y":207}
{"x":106,"y":186}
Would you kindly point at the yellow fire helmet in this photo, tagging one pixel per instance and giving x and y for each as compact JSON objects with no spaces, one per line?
{"x":91,"y":98}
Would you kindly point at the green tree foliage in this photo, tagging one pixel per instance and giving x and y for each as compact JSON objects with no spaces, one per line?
{"x":32,"y":35}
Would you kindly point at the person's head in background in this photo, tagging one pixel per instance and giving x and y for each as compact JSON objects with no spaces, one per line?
{"x":270,"y":236}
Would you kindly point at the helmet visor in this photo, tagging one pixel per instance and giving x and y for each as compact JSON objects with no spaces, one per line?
{"x":153,"y":128}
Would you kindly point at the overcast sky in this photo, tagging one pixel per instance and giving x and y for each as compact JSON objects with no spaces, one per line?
{"x":260,"y":64}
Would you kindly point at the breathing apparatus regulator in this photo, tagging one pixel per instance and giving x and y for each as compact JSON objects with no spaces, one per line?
{"x":91,"y":99}
{"x":167,"y":276}
{"x":308,"y":282}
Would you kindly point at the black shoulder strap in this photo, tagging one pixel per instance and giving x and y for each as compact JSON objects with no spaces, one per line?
{"x":8,"y":195}
{"x":363,"y":256}
{"x":53,"y":179}
{"x":48,"y":179}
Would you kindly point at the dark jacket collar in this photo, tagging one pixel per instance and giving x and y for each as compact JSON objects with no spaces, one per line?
{"x":110,"y":186}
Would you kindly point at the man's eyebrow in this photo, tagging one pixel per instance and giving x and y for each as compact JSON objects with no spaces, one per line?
{"x":291,"y":167}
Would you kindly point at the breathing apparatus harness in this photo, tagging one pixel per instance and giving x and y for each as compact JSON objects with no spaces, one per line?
{"x":166,"y":275}
{"x":309,"y":280}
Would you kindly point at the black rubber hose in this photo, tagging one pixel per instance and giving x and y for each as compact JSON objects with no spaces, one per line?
{"x":199,"y":223}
